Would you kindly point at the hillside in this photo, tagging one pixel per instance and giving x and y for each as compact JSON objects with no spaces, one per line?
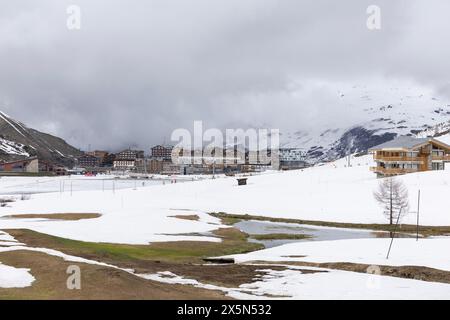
{"x":380,"y":116}
{"x":17,"y":141}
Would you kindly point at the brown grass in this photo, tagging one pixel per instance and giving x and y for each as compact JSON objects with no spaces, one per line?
{"x":192,"y":217}
{"x":407,"y":272}
{"x":184,"y":258}
{"x":56,"y":216}
{"x":97,"y":282}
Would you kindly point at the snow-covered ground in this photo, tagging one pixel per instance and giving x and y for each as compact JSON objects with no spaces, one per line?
{"x":15,"y":278}
{"x":11,"y":147}
{"x":11,"y":277}
{"x":431,"y":252}
{"x":292,"y":283}
{"x":67,"y":184}
{"x":331,"y":192}
{"x":122,"y":220}
{"x":321,"y":284}
{"x":341,"y":285}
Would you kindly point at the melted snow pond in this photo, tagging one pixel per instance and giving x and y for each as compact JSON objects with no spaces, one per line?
{"x":316,"y":233}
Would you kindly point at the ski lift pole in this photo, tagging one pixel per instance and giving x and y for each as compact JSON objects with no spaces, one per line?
{"x":418,"y":215}
{"x":395,"y":230}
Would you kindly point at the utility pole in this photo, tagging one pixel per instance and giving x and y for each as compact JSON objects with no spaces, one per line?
{"x":418,"y":214}
{"x":393,"y":235}
{"x":391,"y":210}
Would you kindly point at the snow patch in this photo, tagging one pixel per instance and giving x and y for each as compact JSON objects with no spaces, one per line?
{"x":11,"y":277}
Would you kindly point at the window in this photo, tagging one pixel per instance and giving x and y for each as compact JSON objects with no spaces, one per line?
{"x":438,"y":166}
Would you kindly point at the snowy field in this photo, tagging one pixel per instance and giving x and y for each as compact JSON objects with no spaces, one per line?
{"x":292,"y":283}
{"x":140,"y":214}
{"x":332,"y":192}
{"x":67,"y":184}
{"x":322,"y":284}
{"x":431,"y":252}
{"x":342,"y":285}
{"x":14,"y":277}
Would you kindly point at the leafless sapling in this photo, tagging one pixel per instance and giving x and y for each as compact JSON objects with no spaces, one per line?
{"x":392,"y":195}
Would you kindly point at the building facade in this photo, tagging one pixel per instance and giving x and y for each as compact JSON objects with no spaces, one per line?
{"x":292,"y":158}
{"x":130,"y":154}
{"x":408,"y":154}
{"x":88,"y":161}
{"x":162,"y":152}
{"x":98,"y":154}
{"x":33,"y":166}
{"x":130,"y":160}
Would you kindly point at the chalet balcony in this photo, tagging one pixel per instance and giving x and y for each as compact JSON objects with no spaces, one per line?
{"x":399,"y":159}
{"x":392,"y":171}
{"x":441,"y":158}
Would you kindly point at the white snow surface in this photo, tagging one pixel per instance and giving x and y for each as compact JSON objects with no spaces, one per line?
{"x":323,"y":284}
{"x":11,"y":277}
{"x":127,"y":217}
{"x":429,"y":252}
{"x":11,"y":147}
{"x":341,"y":285}
{"x":66,"y":184}
{"x":331,"y":192}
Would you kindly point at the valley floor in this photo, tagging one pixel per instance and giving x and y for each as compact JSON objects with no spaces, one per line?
{"x":149,"y":241}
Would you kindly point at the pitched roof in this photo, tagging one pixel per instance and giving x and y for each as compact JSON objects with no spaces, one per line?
{"x":402,"y":142}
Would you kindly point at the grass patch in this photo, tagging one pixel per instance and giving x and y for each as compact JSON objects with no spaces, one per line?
{"x":56,"y":216}
{"x":192,"y":217}
{"x":280,"y":236}
{"x":233,"y":242}
{"x":97,"y":282}
{"x":229,"y":221}
{"x":404,"y":228}
{"x":184,"y":258}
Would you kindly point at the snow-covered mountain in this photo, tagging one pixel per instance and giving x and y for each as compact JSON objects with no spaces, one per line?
{"x":381,"y":116}
{"x":17,"y":141}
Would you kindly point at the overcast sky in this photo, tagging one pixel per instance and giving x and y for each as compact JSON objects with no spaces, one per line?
{"x":138,"y":69}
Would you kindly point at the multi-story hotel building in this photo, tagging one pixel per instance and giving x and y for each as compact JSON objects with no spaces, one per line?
{"x":408,"y":154}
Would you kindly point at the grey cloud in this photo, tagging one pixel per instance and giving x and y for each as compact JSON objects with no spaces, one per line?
{"x":139,"y":69}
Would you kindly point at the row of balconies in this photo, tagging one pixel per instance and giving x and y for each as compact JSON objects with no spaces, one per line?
{"x":392,"y":171}
{"x":421,"y":159}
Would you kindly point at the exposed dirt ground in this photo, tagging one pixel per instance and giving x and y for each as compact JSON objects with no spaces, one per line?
{"x":97,"y":282}
{"x":184,"y":258}
{"x":192,"y":217}
{"x":407,"y":272}
{"x":56,"y":216}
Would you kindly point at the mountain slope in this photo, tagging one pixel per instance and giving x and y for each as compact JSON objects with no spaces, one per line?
{"x":380,"y":116}
{"x":17,"y":141}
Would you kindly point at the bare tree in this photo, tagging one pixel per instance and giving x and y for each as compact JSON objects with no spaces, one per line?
{"x":392,"y":195}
